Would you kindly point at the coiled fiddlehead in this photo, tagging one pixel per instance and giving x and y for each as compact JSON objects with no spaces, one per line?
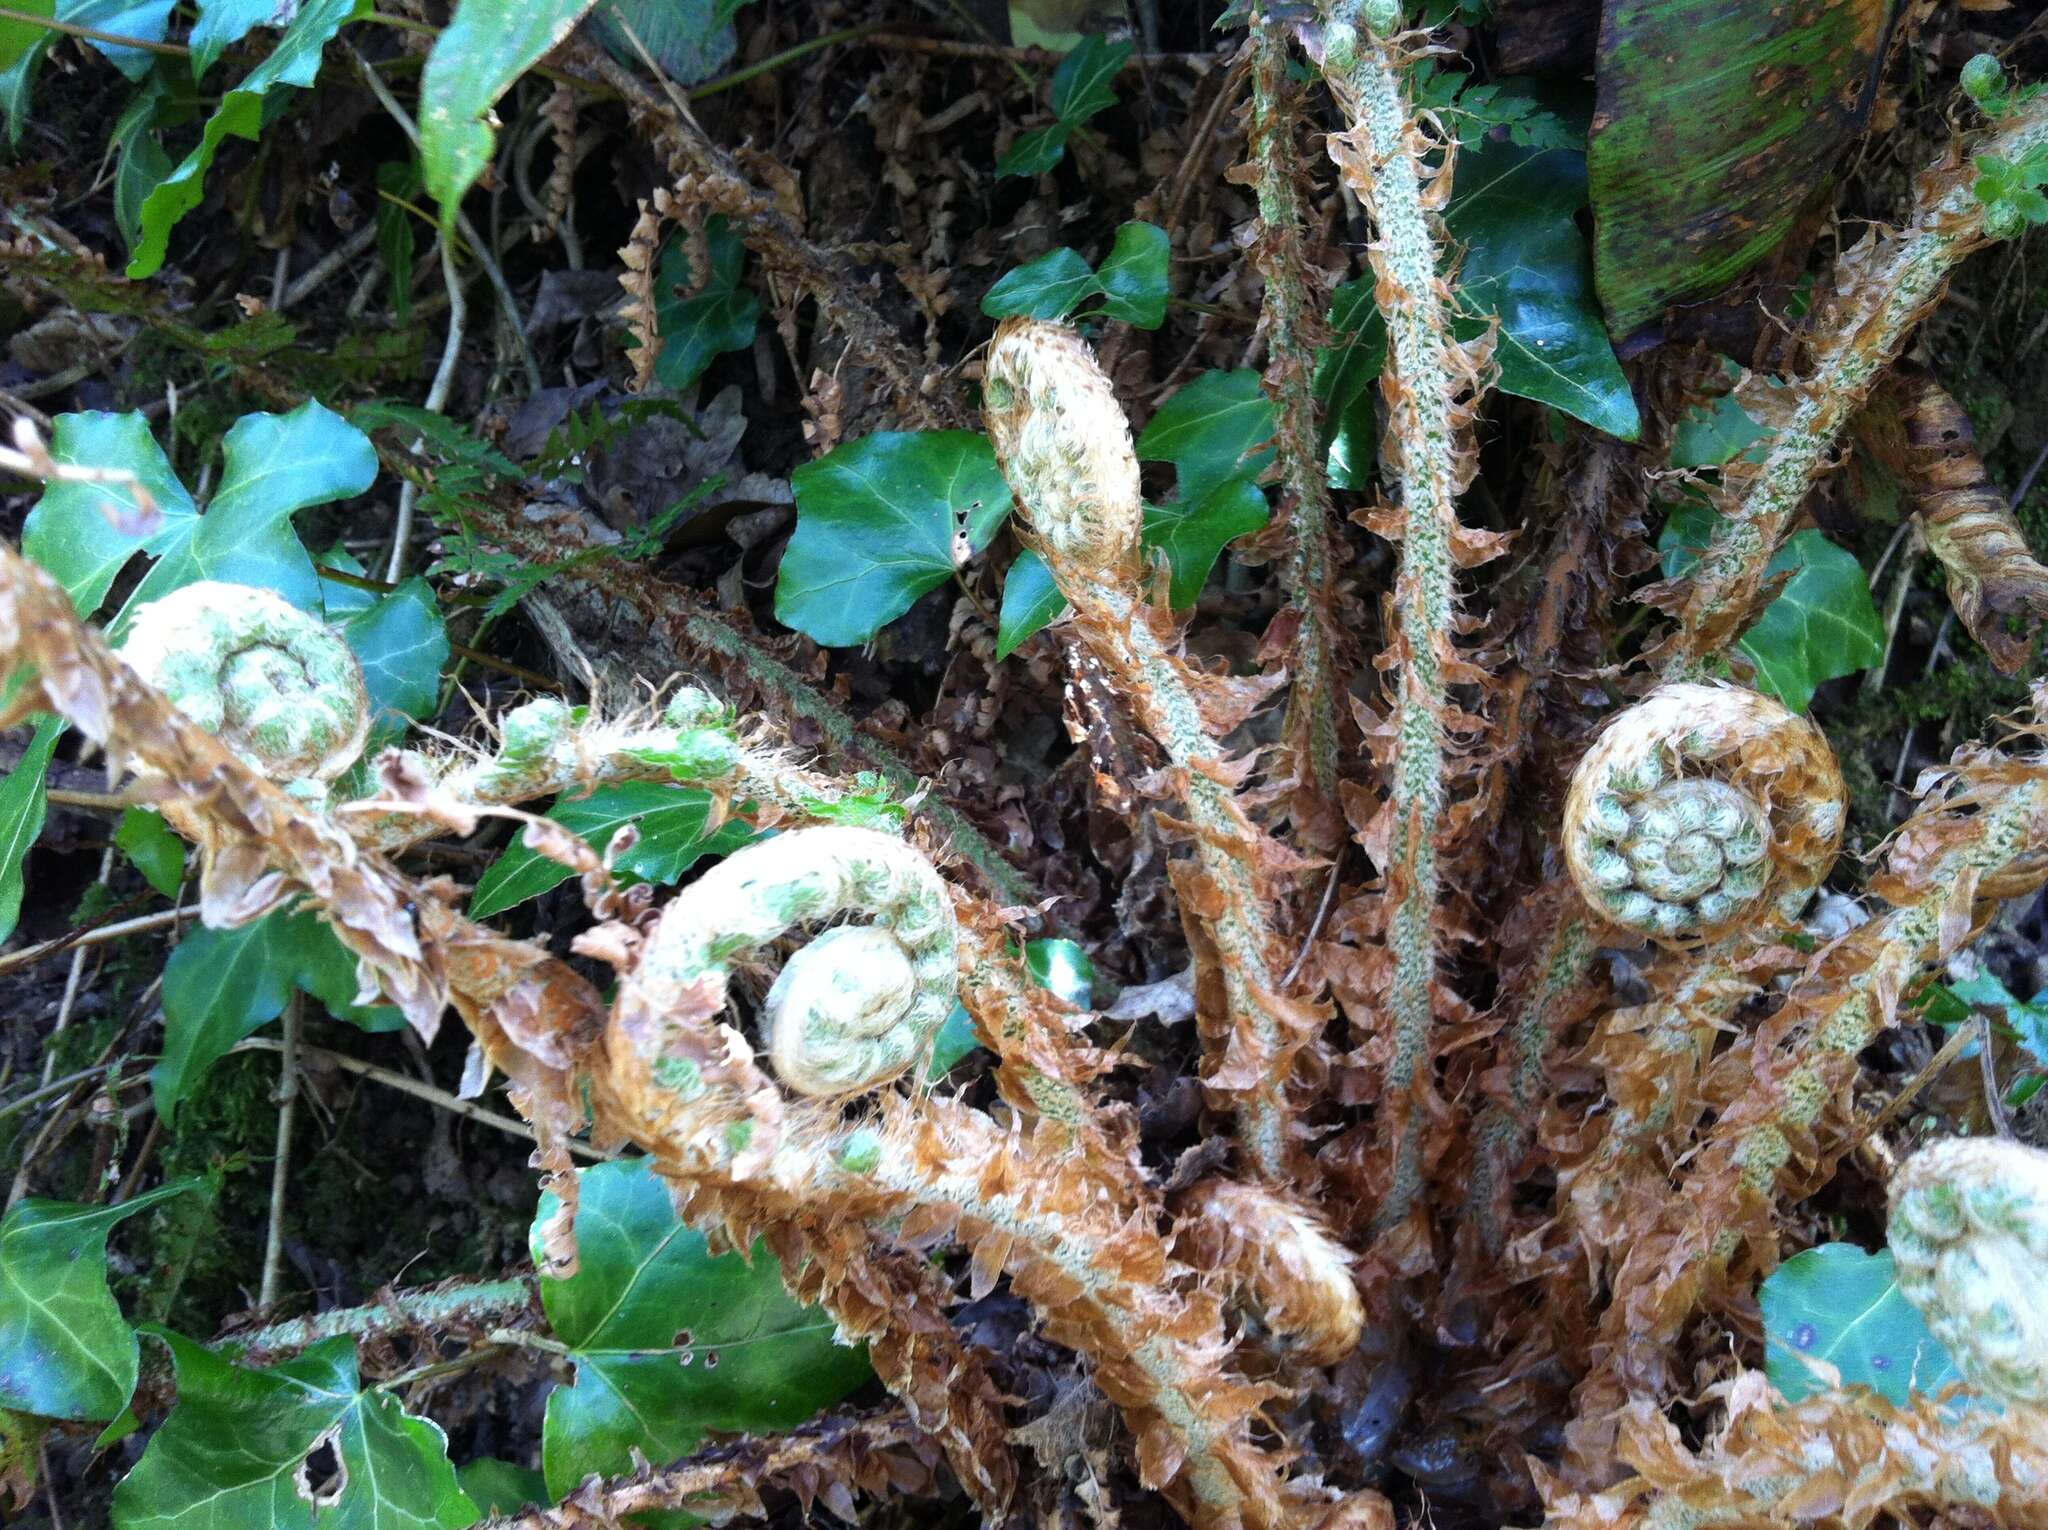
{"x":1969,"y":1233}
{"x":1701,"y":808}
{"x":856,"y":1006}
{"x":277,"y":686}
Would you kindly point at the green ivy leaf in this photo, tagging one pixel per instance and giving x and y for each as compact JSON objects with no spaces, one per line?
{"x":402,"y":641}
{"x":1035,"y":152}
{"x":294,"y":62}
{"x":140,"y":162}
{"x":154,"y":850}
{"x":1031,"y":603}
{"x":1132,"y":281}
{"x":1837,"y":1304}
{"x":1526,"y":262}
{"x":696,"y":330}
{"x":1209,"y":429}
{"x":24,"y":803}
{"x":1347,"y":384}
{"x":2025,"y":1020}
{"x":674,"y":834}
{"x":486,"y":46}
{"x":1050,"y":287}
{"x":222,"y":24}
{"x":1193,"y":536}
{"x":669,"y":1340}
{"x":65,"y":1349}
{"x":501,"y":1487}
{"x":1082,"y":85}
{"x":222,"y":985}
{"x":876,"y":522}
{"x":1823,"y":625}
{"x":23,"y":44}
{"x":231,"y":1452}
{"x":1063,"y":967}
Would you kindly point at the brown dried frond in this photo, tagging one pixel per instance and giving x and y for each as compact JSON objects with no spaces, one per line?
{"x":641,"y":256}
{"x":1290,"y":1274}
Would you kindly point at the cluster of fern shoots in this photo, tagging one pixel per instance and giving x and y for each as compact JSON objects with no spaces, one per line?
{"x":1442,"y":1124}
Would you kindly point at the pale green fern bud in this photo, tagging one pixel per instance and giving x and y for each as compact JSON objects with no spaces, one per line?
{"x":1969,"y":1234}
{"x":277,"y":686}
{"x":1702,"y":808}
{"x":857,"y":1005}
{"x":1065,"y":448}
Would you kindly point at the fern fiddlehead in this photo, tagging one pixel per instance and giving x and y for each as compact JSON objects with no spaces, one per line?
{"x":1969,"y":1234}
{"x":276,"y":685}
{"x":1700,"y":809}
{"x":852,"y":1009}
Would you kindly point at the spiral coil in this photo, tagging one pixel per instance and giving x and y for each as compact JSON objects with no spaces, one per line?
{"x":1702,"y":808}
{"x":859,"y":1003}
{"x":277,"y":686}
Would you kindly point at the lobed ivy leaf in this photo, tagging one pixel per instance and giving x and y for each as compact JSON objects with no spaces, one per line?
{"x":501,"y":1487}
{"x":1209,"y":431}
{"x":152,"y":848}
{"x":2025,"y":1019}
{"x":1842,"y":1306}
{"x":295,"y":61}
{"x":401,"y":639}
{"x":669,"y":1340}
{"x":1823,"y":623}
{"x":222,"y":985}
{"x":879,"y":522}
{"x":721,"y":317}
{"x":1193,"y":536}
{"x":675,"y":832}
{"x":1031,"y":602}
{"x":486,"y":46}
{"x":65,"y":1349}
{"x":244,"y":1447}
{"x":1132,"y":281}
{"x":1081,"y":88}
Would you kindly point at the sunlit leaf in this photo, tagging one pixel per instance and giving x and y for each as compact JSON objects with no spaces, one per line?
{"x":152,"y":848}
{"x":1031,"y":603}
{"x":1841,"y":1306}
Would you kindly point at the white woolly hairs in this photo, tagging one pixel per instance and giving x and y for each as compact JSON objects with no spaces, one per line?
{"x":1969,"y":1234}
{"x":858,"y":1004}
{"x":1701,"y":808}
{"x":277,"y":686}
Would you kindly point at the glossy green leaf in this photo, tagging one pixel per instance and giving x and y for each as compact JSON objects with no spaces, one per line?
{"x":1050,"y":287}
{"x":1526,"y":262}
{"x":23,"y":44}
{"x":222,"y":985}
{"x":65,"y":1349}
{"x":1210,"y":431}
{"x":221,"y":24}
{"x":1713,"y":434}
{"x":24,"y":803}
{"x":274,"y":465}
{"x":1823,"y":624}
{"x":294,"y":62}
{"x":500,"y":1487}
{"x":2025,"y":1020}
{"x":1838,"y":1305}
{"x":1717,"y":126}
{"x":1031,"y":603}
{"x":486,"y":46}
{"x":402,"y":641}
{"x":1193,"y":536}
{"x":691,"y":39}
{"x":1133,"y":277}
{"x":1035,"y":152}
{"x":697,"y":329}
{"x":152,"y":848}
{"x":955,"y":1042}
{"x":238,"y":1449}
{"x":1082,"y":85}
{"x":877,"y":522}
{"x":674,"y":834}
{"x":1063,"y":967}
{"x":1347,"y":384}
{"x":140,"y":162}
{"x":669,"y":1340}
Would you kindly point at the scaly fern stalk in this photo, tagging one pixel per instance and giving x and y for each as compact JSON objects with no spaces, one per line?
{"x":1291,"y":339}
{"x":1066,"y":450}
{"x":1883,"y":288}
{"x":1381,"y":159}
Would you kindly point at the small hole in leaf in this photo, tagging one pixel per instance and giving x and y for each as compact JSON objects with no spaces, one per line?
{"x":1880,"y":1362}
{"x":711,"y":1361}
{"x":1804,"y":1335}
{"x":683,"y":1339}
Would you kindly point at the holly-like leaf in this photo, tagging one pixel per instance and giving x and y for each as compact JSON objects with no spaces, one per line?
{"x":293,"y":62}
{"x":1841,"y":1306}
{"x":255,"y":1448}
{"x":402,"y":641}
{"x":152,"y":849}
{"x":1526,"y":262}
{"x":24,"y":803}
{"x":877,"y":522}
{"x":65,"y":1349}
{"x":669,"y":1340}
{"x":222,"y":985}
{"x":1132,"y":281}
{"x":486,"y":45}
{"x":674,"y":824}
{"x":1700,"y":170}
{"x":697,"y":329}
{"x":1031,"y":603}
{"x":1823,"y":624}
